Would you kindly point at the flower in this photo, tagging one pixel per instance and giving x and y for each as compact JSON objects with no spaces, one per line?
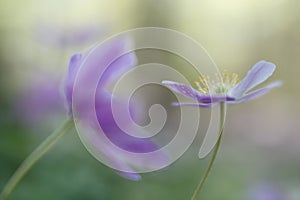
{"x":55,"y":35}
{"x":103,"y":99}
{"x":40,"y":103}
{"x":266,"y":192}
{"x":227,"y":88}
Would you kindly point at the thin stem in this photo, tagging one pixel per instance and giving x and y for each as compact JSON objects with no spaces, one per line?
{"x":34,"y":157}
{"x":215,"y":152}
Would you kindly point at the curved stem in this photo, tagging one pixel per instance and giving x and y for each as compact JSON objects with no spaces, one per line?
{"x":34,"y":157}
{"x":215,"y":152}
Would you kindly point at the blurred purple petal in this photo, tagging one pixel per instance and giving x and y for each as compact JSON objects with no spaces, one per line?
{"x":132,"y":176}
{"x":113,"y":71}
{"x":74,"y":64}
{"x":120,"y":65}
{"x":67,"y":36}
{"x":260,"y":72}
{"x":105,"y":59}
{"x":123,"y":164}
{"x":112,"y":130}
{"x":40,"y":101}
{"x":266,"y":192}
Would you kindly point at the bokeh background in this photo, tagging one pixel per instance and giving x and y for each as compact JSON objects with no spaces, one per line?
{"x":259,"y":157}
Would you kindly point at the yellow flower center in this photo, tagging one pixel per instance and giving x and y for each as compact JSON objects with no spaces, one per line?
{"x":222,"y":84}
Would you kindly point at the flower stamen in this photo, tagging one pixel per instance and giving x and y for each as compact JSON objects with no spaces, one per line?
{"x":223,"y":83}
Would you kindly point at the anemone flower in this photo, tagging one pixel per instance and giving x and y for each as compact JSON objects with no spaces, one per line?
{"x":67,"y":36}
{"x":266,"y":192}
{"x":227,"y":88}
{"x":126,"y":165}
{"x":41,"y":102}
{"x":103,"y":99}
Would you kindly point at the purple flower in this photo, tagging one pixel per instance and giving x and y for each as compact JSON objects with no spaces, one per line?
{"x":266,"y":192}
{"x":66,"y":36}
{"x":40,"y":101}
{"x":227,"y":88}
{"x":103,"y":99}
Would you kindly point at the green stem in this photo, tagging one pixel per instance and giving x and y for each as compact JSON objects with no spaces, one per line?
{"x":215,"y":152}
{"x":34,"y":157}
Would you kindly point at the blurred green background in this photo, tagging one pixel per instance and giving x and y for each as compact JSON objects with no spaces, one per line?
{"x":260,"y":152}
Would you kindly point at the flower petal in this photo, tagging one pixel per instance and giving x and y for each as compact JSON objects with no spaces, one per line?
{"x":107,"y":58}
{"x":40,"y":102}
{"x":183,"y":89}
{"x":215,"y":98}
{"x":260,"y":72}
{"x":190,"y":92}
{"x":113,"y":131}
{"x":131,"y":176}
{"x":120,"y":163}
{"x":74,"y":64}
{"x":259,"y":92}
{"x":193,"y":105}
{"x":119,"y":65}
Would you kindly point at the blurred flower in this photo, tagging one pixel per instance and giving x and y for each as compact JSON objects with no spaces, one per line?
{"x":266,"y":192}
{"x":227,"y":88}
{"x":103,"y":99}
{"x":40,"y":102}
{"x":66,"y":36}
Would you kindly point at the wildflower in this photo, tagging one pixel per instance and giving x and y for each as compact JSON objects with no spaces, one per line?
{"x":266,"y":192}
{"x":55,"y":35}
{"x":41,"y":102}
{"x":227,"y":88}
{"x":127,"y":165}
{"x":103,"y":99}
